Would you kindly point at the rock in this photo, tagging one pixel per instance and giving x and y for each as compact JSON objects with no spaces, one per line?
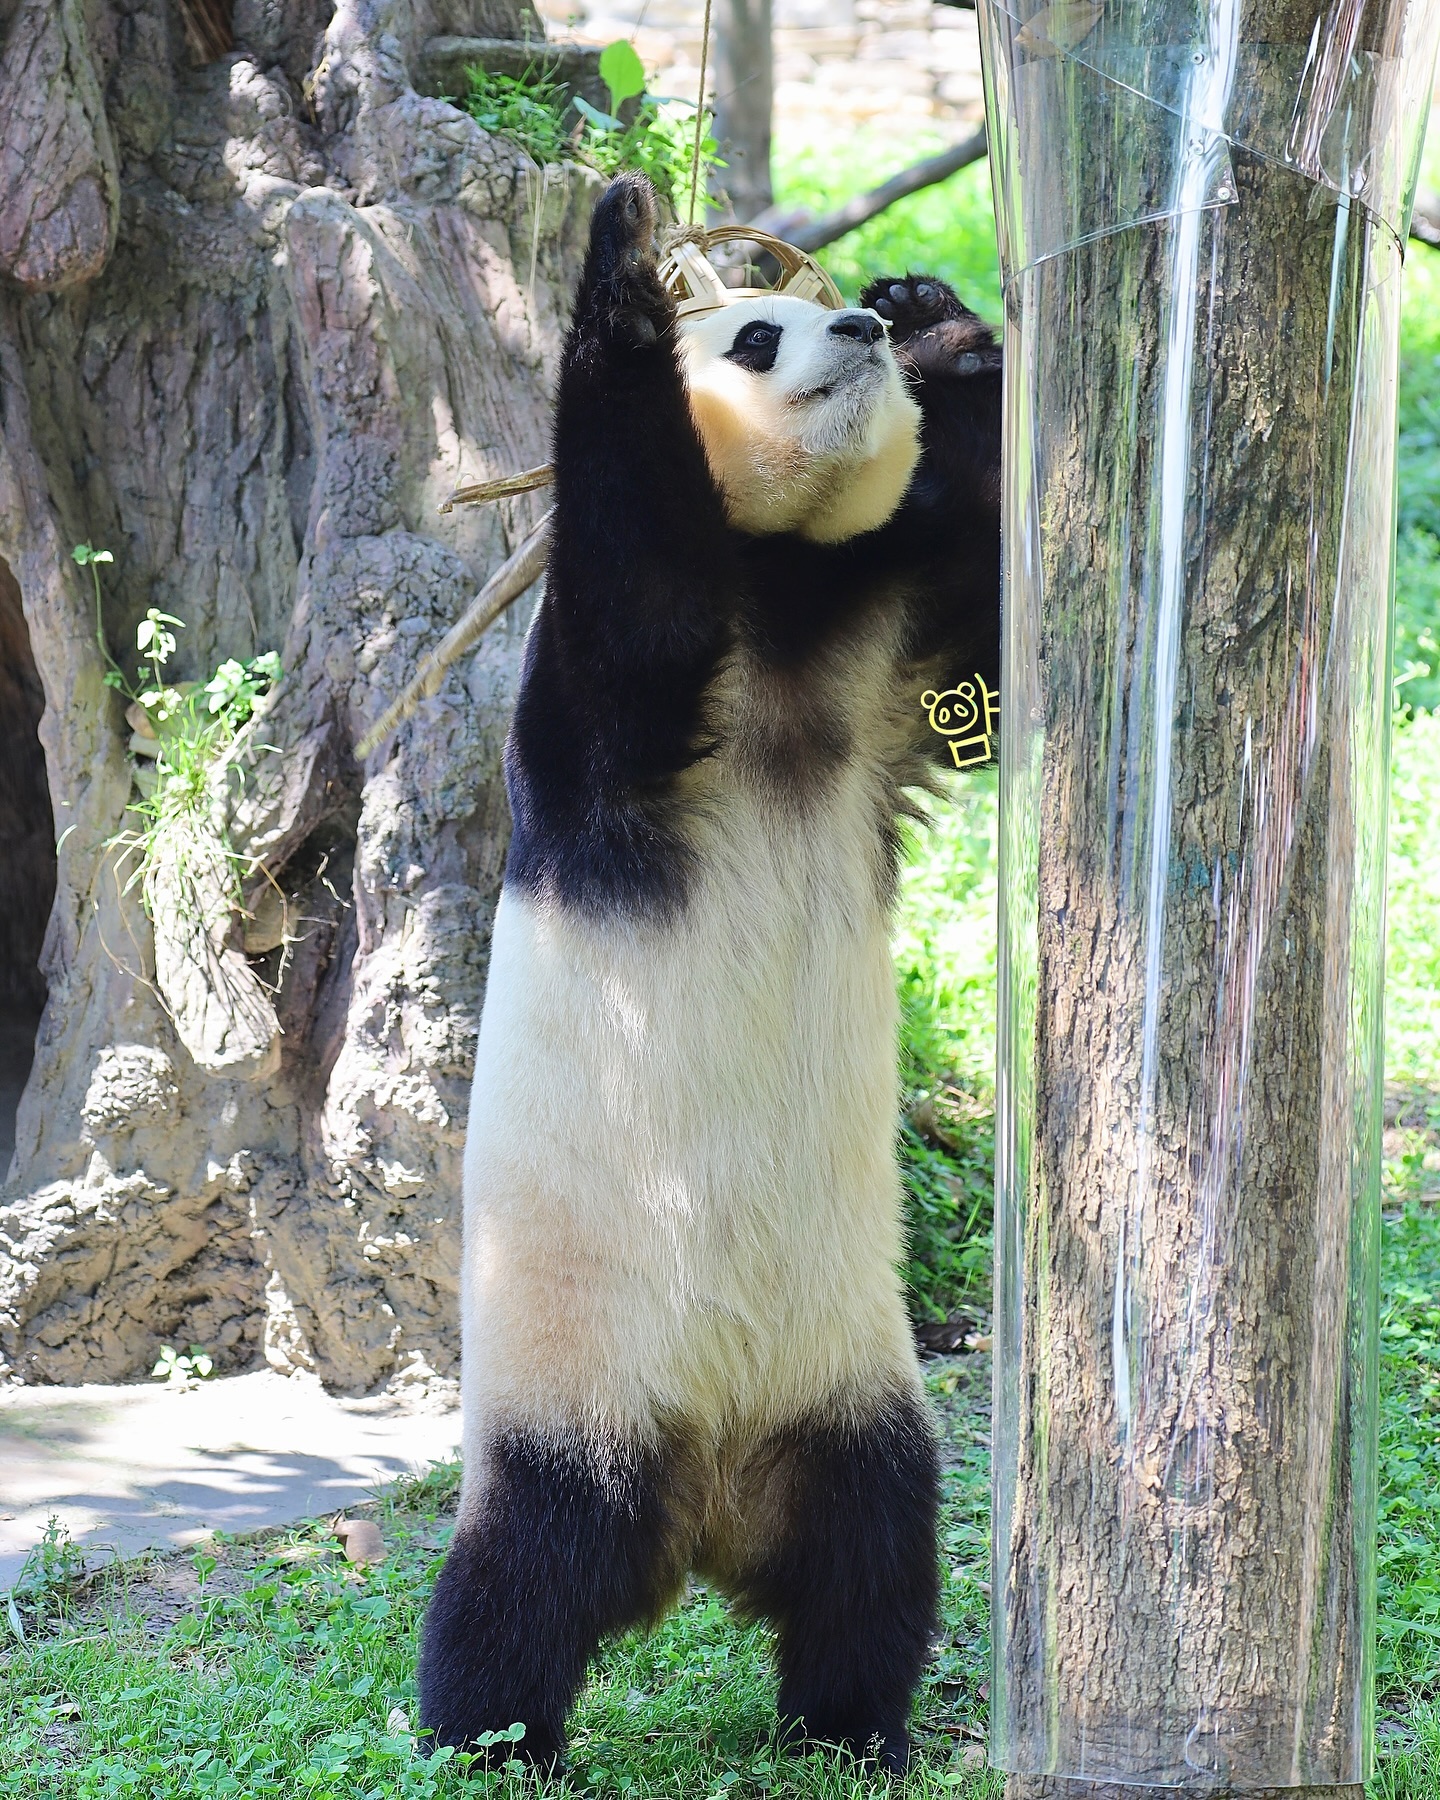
{"x":361,"y":1539}
{"x":946,"y":1337}
{"x":263,"y":925}
{"x":247,"y":1134}
{"x":132,"y":1085}
{"x":220,"y":1009}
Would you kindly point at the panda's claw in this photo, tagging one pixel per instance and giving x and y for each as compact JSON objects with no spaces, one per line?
{"x":912,"y":304}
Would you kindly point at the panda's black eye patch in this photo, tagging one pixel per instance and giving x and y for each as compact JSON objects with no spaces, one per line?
{"x":756,"y":346}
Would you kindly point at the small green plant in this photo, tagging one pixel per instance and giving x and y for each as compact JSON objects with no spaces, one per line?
{"x":551,"y":124}
{"x":657,"y":143}
{"x":235,"y":687}
{"x":190,"y":725}
{"x":622,"y":72}
{"x":50,"y":1570}
{"x":529,"y":109}
{"x":225,"y":702}
{"x":195,"y":1365}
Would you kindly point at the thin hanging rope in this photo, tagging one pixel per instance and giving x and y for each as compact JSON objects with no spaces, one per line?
{"x":700,"y":112}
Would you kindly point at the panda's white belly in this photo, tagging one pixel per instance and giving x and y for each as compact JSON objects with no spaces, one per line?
{"x":681,"y":1196}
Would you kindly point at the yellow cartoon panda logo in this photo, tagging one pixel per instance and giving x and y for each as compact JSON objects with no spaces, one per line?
{"x":967,"y":716}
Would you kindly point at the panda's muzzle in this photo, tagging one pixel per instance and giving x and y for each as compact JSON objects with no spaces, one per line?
{"x":859,"y":355}
{"x":863,"y":327}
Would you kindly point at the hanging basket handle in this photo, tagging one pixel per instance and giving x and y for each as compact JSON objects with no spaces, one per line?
{"x":688,"y":273}
{"x":792,"y":262}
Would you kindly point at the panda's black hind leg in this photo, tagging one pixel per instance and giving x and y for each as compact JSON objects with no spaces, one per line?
{"x":850,"y":1582}
{"x":563,"y":1550}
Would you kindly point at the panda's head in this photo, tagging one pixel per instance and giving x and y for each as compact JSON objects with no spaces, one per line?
{"x":806,"y":419}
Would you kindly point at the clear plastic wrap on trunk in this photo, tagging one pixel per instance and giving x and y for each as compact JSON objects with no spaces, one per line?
{"x":1202,"y":211}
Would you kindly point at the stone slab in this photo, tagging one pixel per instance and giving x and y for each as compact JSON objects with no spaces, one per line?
{"x":140,"y":1467}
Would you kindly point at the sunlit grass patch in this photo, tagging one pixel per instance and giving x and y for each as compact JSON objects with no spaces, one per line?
{"x":274,"y":1668}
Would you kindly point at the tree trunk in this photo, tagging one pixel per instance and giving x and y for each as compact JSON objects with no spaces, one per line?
{"x":259,"y":314}
{"x":1199,"y":535}
{"x":744,"y":90}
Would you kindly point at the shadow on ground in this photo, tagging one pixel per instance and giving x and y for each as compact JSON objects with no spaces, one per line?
{"x":136,"y":1468}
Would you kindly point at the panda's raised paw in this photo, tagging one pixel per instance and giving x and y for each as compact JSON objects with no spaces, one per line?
{"x":911,"y":304}
{"x":622,"y":228}
{"x":627,"y":303}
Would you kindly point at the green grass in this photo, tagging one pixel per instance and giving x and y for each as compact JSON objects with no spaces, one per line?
{"x":1417,"y":572}
{"x":281,"y":1673}
{"x":945,"y":964}
{"x":1412,"y":972}
{"x":1408,"y":1646}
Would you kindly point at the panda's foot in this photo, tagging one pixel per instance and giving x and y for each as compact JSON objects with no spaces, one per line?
{"x":889,"y":1751}
{"x":490,"y":1750}
{"x":562,"y":1549}
{"x":630,"y":303}
{"x":912,"y":304}
{"x":894,"y":1753}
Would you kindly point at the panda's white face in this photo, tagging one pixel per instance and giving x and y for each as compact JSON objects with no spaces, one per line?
{"x":805,"y":417}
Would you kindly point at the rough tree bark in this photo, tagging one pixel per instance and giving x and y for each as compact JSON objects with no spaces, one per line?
{"x":1185,"y":1530}
{"x":744,"y":91}
{"x":258,"y":315}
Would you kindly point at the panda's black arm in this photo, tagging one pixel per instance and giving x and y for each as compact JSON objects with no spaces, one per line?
{"x":640,"y":589}
{"x":640,"y":574}
{"x":947,"y":531}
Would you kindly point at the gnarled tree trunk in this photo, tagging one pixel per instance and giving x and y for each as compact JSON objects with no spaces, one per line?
{"x":258,"y":314}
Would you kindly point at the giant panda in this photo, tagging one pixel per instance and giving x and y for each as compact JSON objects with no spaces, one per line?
{"x":685,"y":1345}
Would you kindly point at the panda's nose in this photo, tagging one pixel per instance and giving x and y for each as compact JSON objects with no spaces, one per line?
{"x":864,"y":327}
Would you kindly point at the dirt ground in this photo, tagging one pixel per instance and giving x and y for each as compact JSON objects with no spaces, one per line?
{"x":134,"y":1467}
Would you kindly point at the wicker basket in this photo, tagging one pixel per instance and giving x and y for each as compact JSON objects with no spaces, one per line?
{"x":688,"y":273}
